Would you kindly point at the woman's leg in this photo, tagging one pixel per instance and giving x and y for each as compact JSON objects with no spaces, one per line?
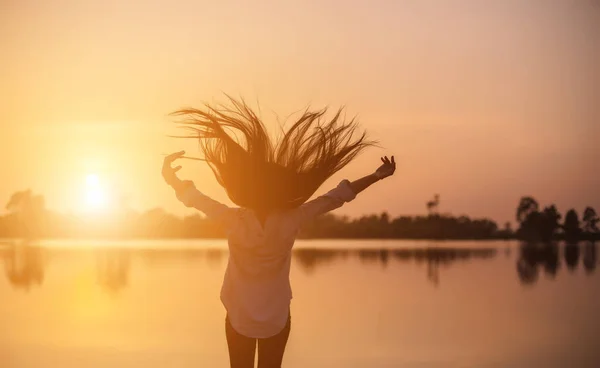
{"x":270,"y":350}
{"x":241,"y":348}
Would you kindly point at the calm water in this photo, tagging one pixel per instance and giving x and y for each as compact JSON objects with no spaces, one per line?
{"x":399,"y":304}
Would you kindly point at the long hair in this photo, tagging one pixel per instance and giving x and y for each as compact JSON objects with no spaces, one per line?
{"x":258,"y":173}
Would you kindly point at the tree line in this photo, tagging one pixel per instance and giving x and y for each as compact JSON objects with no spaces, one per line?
{"x":544,"y":225}
{"x":29,"y":218}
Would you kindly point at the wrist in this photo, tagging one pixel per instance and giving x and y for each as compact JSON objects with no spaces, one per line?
{"x":179,"y":185}
{"x":377,"y":175}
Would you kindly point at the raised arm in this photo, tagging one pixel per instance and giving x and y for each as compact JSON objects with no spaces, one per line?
{"x":386,"y":169}
{"x":187,"y":193}
{"x":346,"y":191}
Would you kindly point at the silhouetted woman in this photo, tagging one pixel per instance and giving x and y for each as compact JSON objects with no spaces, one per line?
{"x":271,"y":182}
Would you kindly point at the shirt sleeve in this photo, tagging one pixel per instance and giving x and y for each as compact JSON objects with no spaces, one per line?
{"x":329,"y":201}
{"x":192,"y":197}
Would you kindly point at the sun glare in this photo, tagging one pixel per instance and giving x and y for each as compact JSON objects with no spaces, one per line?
{"x":92,"y":180}
{"x":95,"y":195}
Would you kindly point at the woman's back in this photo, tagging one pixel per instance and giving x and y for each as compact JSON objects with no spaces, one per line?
{"x":256,"y":288}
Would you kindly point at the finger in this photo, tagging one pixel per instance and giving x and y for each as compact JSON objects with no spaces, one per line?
{"x":387,"y":160}
{"x":394,"y":162}
{"x":382,"y":160}
{"x":174,"y":156}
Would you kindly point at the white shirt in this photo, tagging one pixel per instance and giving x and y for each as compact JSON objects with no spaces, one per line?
{"x":256,"y":289}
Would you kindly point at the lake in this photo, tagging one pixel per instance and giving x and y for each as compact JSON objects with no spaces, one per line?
{"x":356,"y":304}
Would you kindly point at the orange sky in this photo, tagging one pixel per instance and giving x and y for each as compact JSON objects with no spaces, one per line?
{"x":480,"y":103}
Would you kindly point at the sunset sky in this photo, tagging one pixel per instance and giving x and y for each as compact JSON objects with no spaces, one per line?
{"x":481,"y":102}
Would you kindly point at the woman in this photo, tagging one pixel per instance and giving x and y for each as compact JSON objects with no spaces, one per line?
{"x":271,"y":183}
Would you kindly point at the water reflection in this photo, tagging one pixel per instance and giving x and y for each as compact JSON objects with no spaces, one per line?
{"x":214,"y":257}
{"x":571,"y":255}
{"x":433,"y":257}
{"x":532,"y":257}
{"x":589,"y":257}
{"x":24,"y":265}
{"x":112,"y":267}
{"x":309,"y":258}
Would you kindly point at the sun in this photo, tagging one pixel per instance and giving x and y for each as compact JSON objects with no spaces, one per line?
{"x":92,"y":180}
{"x":95,"y":194}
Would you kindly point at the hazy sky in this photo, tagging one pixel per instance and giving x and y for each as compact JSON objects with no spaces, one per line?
{"x":481,"y":102}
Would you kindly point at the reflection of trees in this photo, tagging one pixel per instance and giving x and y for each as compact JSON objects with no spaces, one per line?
{"x":113,"y":268}
{"x":310,"y":258}
{"x":214,"y":256}
{"x":527,"y":268}
{"x":155,"y":256}
{"x":437,"y":257}
{"x":572,"y":255}
{"x":433,"y":257}
{"x":24,"y":265}
{"x":589,"y":257}
{"x":374,"y":256}
{"x":551,"y":260}
{"x":532,"y":256}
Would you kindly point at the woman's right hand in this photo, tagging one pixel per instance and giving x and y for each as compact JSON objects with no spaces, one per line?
{"x":169,"y":173}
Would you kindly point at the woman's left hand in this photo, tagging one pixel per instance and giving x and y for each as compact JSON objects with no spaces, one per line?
{"x":387,"y":169}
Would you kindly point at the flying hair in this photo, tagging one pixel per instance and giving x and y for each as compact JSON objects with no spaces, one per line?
{"x":260,"y":173}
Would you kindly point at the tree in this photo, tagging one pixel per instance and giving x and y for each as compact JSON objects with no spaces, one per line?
{"x":590,"y":220}
{"x":529,"y":218}
{"x":29,"y":210}
{"x":527,"y":206}
{"x":433,"y":204}
{"x":549,"y":223}
{"x":571,"y":226}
